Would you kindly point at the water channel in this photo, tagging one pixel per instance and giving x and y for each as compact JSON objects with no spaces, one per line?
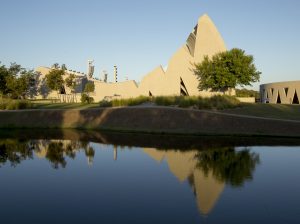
{"x":91,"y":177}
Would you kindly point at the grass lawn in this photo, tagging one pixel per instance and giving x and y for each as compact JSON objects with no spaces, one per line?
{"x":65,"y":105}
{"x":290,"y":112}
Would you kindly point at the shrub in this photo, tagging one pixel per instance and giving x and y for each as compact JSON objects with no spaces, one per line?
{"x":86,"y":99}
{"x":247,"y":93}
{"x":167,"y":100}
{"x":131,"y":101}
{"x":9,"y":104}
{"x":223,"y":102}
{"x":105,"y":103}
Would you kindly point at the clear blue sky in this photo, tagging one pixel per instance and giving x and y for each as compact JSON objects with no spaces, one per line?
{"x":138,"y":35}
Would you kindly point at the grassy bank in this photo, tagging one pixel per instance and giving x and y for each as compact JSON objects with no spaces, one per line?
{"x":277,"y":111}
{"x":158,"y":120}
{"x":65,"y":106}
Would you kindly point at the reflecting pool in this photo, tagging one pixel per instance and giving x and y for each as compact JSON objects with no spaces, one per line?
{"x":109,"y":179}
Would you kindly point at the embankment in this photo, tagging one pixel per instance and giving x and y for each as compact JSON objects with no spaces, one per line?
{"x":159,"y":120}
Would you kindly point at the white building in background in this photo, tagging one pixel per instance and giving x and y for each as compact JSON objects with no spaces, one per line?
{"x":177,"y":79}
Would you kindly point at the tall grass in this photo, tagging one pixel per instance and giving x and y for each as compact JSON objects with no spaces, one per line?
{"x":10,"y":104}
{"x":125,"y":102}
{"x":215,"y":102}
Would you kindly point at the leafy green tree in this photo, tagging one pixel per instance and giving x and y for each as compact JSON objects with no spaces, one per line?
{"x":16,"y":81}
{"x":20,"y":86}
{"x":8,"y":74}
{"x":71,"y":82}
{"x":54,"y":80}
{"x":88,"y":89}
{"x":3,"y":77}
{"x":226,"y":70}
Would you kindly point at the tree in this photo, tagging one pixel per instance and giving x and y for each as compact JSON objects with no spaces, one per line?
{"x":3,"y":77}
{"x":20,"y":86}
{"x":15,"y":81}
{"x":71,"y":83}
{"x":54,"y":80}
{"x":226,"y":70}
{"x":7,"y":74}
{"x":89,"y":88}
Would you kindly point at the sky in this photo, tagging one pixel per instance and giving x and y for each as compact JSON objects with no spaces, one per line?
{"x":139,"y":35}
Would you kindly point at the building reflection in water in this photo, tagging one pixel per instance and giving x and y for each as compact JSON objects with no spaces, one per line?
{"x":208,"y":171}
{"x":115,"y":153}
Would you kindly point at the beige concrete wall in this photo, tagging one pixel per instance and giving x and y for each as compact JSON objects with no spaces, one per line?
{"x":128,"y":89}
{"x":285,"y":92}
{"x":246,"y":99}
{"x":46,"y":93}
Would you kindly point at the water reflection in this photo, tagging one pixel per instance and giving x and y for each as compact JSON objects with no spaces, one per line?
{"x":15,"y":151}
{"x":55,"y":151}
{"x":228,"y":165}
{"x":207,"y":171}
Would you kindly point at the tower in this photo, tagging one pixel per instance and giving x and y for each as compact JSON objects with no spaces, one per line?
{"x":116,"y":73}
{"x":91,"y":68}
{"x":104,"y":76}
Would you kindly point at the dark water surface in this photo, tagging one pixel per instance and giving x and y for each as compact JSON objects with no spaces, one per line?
{"x":86,"y":177}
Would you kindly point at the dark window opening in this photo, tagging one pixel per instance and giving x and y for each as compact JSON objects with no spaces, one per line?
{"x":272,"y":90}
{"x":182,"y":92}
{"x":150,"y":94}
{"x":295,"y":99}
{"x":183,"y":89}
{"x":286,"y":90}
{"x":278,"y":99}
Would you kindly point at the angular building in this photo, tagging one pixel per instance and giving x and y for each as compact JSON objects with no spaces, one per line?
{"x":178,"y":78}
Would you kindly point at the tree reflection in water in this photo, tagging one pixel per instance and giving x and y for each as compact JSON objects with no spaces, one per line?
{"x":228,"y":165}
{"x":15,"y":151}
{"x":56,"y":151}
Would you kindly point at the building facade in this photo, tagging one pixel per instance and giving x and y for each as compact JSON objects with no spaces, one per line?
{"x":280,"y":93}
{"x":177,"y":79}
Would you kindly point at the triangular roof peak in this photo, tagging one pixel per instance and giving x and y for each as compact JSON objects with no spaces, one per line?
{"x":205,"y":17}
